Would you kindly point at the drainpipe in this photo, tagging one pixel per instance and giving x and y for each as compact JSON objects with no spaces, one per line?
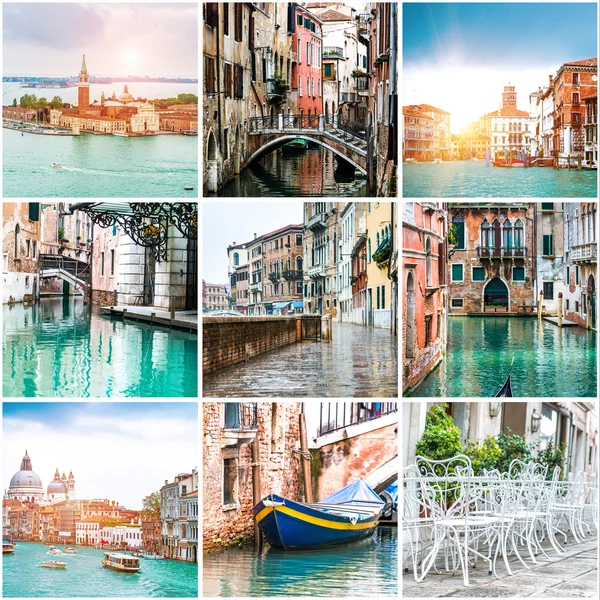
{"x":392,"y":67}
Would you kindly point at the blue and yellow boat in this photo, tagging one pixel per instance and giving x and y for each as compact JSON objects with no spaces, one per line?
{"x":348,"y":515}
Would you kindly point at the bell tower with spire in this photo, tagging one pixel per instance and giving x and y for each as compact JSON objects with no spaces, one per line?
{"x":83,"y":90}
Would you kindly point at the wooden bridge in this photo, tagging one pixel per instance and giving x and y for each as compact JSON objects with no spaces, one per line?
{"x":75,"y":272}
{"x":348,"y":141}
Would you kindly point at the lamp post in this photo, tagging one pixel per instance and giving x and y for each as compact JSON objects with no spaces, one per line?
{"x":494,"y":408}
{"x":535,"y":421}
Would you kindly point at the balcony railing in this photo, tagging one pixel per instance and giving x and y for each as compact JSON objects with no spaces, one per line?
{"x":275,"y":89}
{"x":339,"y":415}
{"x":348,"y":97}
{"x":292,"y":275}
{"x":501,"y":252}
{"x":584,"y":253}
{"x":317,"y":222}
{"x":274,"y":276}
{"x":316,"y":271}
{"x":333,"y":52}
{"x":257,"y":285}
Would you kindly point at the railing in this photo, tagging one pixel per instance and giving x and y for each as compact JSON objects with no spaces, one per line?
{"x":318,"y":221}
{"x":78,"y":269}
{"x":591,"y":120}
{"x":333,"y":52}
{"x":501,"y":252}
{"x":348,"y":97}
{"x":316,"y":271}
{"x":240,"y":415}
{"x":292,"y":275}
{"x":256,"y":285}
{"x":350,"y":130}
{"x":339,"y":415}
{"x":275,"y":88}
{"x":584,"y":252}
{"x":274,"y":276}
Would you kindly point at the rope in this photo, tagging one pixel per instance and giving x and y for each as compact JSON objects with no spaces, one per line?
{"x":306,"y":455}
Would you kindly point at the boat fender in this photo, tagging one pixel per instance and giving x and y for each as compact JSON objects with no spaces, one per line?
{"x":272,"y":503}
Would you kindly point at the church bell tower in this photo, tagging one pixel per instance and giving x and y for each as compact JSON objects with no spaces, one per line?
{"x":83,"y":90}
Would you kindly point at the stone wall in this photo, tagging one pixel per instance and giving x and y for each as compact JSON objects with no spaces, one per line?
{"x":171,"y":275}
{"x":227,"y":341}
{"x":277,"y":431}
{"x":104,"y":297}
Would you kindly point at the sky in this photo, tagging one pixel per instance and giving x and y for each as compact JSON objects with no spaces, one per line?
{"x":117,"y":39}
{"x":121,"y":451}
{"x":459,"y":56}
{"x":228,"y":222}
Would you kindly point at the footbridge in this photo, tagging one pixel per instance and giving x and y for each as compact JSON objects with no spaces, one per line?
{"x":75,"y":272}
{"x":348,"y":141}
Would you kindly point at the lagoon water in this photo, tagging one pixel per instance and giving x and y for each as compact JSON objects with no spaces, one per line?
{"x":549,"y":362}
{"x":366,"y":569}
{"x":61,"y":348}
{"x":473,"y":179}
{"x":85,"y":577}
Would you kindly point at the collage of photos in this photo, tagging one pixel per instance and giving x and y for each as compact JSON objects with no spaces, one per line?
{"x":261,"y":456}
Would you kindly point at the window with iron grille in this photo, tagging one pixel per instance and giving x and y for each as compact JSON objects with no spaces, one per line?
{"x":211,"y":13}
{"x":209,"y":75}
{"x":239,"y":82}
{"x":239,"y":22}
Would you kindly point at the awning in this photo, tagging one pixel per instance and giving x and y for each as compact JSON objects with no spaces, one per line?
{"x":297,"y":304}
{"x":280,"y":305}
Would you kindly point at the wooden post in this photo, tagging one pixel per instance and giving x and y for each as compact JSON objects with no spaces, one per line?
{"x":540,"y":302}
{"x":560,"y":308}
{"x":308,"y":497}
{"x":256,"y":493}
{"x":579,"y":162}
{"x":569,"y":159}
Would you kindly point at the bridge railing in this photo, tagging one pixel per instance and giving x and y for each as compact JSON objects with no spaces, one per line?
{"x":79,"y":269}
{"x":351,"y":129}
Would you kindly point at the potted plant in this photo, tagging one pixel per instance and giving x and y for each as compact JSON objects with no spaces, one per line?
{"x":61,"y":234}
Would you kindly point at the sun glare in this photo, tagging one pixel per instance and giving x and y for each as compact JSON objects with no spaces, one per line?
{"x":130,"y":58}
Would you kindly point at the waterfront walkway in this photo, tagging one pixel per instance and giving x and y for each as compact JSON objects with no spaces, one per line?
{"x":184,"y":319}
{"x":359,"y":362}
{"x":572,"y":575}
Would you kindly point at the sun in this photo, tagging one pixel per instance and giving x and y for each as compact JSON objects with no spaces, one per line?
{"x":130,"y":58}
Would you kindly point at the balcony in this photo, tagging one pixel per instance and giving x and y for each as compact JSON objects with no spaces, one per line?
{"x":501,"y":252}
{"x":276,"y":89}
{"x":316,"y":271}
{"x":317,"y":222}
{"x":274,"y":277}
{"x":240,"y":423}
{"x":292,"y":275}
{"x":255,"y":286}
{"x":333,"y":52}
{"x":584,"y":253}
{"x":347,"y":97}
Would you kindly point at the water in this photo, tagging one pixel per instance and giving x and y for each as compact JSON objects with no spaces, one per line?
{"x":472,"y":179}
{"x":310,"y":173}
{"x":85,"y":577}
{"x":61,"y":348}
{"x":99,"y":166}
{"x":549,"y":362}
{"x":365,"y":570}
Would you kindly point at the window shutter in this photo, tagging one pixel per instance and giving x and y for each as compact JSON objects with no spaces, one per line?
{"x":34,"y":211}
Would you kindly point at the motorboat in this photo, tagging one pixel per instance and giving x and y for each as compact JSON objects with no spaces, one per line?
{"x":124,"y":563}
{"x":188,"y":187}
{"x":348,"y":515}
{"x":7,"y":548}
{"x":151,"y":556}
{"x":474,"y":158}
{"x":54,"y":564}
{"x":48,"y":545}
{"x":189,"y":132}
{"x":57,"y":165}
{"x":410,"y":160}
{"x":55,"y":551}
{"x":69,"y":550}
{"x":120,"y":134}
{"x":437,"y":160}
{"x":389,"y":515}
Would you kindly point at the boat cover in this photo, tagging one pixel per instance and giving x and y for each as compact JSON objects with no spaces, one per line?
{"x":356,"y":492}
{"x":392,"y":490}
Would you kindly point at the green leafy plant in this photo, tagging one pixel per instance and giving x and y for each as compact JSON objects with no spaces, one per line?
{"x":61,"y":233}
{"x":441,"y":437}
{"x":484,"y":455}
{"x":453,"y":234}
{"x":552,"y":457}
{"x":511,"y":446}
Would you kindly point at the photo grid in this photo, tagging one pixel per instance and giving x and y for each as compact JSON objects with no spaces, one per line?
{"x":108,"y":423}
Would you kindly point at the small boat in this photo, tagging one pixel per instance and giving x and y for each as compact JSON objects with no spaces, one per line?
{"x":188,"y":187}
{"x":296,"y":145}
{"x":348,"y":515}
{"x":151,"y":556}
{"x":189,"y":132}
{"x":474,"y":158}
{"x":54,"y":564}
{"x":410,"y":160}
{"x":48,"y":545}
{"x":69,"y":550}
{"x":121,"y":562}
{"x":437,"y":160}
{"x":54,"y":551}
{"x":506,"y":389}
{"x":120,"y":134}
{"x":57,"y":165}
{"x":7,"y":548}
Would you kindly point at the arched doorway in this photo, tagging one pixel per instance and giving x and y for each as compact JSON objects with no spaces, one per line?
{"x":591,"y":291}
{"x":495,"y":296}
{"x":410,"y":315}
{"x":213,"y":163}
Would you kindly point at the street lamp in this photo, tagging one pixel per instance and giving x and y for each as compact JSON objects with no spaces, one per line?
{"x":535,"y":421}
{"x":494,"y":408}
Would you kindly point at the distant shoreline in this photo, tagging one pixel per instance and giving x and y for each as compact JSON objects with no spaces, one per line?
{"x":99,"y":80}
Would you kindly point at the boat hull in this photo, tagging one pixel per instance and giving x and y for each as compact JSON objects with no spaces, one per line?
{"x":293,"y":526}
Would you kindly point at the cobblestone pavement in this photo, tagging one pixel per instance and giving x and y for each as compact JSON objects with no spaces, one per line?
{"x":360,"y":362}
{"x":572,"y":575}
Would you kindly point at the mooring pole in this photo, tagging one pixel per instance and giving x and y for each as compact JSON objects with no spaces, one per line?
{"x":560,"y":307}
{"x":308,"y":497}
{"x":540,"y":302}
{"x":256,"y":494}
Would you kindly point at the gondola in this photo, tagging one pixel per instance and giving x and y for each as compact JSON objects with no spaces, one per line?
{"x":506,"y":389}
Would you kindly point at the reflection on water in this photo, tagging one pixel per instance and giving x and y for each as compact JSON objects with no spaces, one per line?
{"x":60,"y":347}
{"x":312,"y":172}
{"x":365,"y":569}
{"x":549,"y":362}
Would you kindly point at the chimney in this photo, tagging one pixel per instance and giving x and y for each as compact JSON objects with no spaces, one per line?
{"x":550,"y":81}
{"x":166,"y":481}
{"x":254,"y":236}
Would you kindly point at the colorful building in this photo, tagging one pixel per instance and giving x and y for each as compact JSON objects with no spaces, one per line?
{"x":216,"y":297}
{"x":417,"y":135}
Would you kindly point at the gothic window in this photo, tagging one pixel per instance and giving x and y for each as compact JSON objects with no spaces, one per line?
{"x":507,"y":236}
{"x":518,"y":234}
{"x":17,"y":233}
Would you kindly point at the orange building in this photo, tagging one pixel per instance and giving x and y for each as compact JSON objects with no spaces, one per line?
{"x":83,"y":90}
{"x":424,"y":230}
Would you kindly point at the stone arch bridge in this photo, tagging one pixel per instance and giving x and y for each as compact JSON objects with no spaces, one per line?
{"x":349,"y":142}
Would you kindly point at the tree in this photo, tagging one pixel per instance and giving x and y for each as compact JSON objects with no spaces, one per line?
{"x":56,"y":102}
{"x":151,"y":506}
{"x":14,"y":102}
{"x":41,"y":104}
{"x":28,"y":101}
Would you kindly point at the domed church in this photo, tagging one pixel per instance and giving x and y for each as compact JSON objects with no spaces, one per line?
{"x":60,"y":489}
{"x":26,"y":485}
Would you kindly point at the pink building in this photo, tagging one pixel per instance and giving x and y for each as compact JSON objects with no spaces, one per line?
{"x":307,"y":41}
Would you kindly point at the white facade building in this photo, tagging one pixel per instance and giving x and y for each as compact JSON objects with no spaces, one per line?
{"x":87,"y":533}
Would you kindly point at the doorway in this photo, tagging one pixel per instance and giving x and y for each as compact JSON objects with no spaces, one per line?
{"x":495,"y":296}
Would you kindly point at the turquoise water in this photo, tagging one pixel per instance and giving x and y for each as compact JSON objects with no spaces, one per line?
{"x":99,"y":166}
{"x":366,"y":569}
{"x":61,"y":348}
{"x":549,"y":362}
{"x":85,"y":577}
{"x":472,"y":179}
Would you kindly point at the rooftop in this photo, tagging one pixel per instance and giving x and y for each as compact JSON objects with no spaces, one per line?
{"x":281,"y":230}
{"x":507,"y":111}
{"x":428,"y":107}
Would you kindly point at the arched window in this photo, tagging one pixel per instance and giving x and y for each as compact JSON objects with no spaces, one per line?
{"x":507,"y":235}
{"x":298,"y":263}
{"x":236,"y":259}
{"x":518,"y":234}
{"x":496,"y":241}
{"x":485,"y":234}
{"x":428,"y":261}
{"x":377,"y":240}
{"x":17,"y":232}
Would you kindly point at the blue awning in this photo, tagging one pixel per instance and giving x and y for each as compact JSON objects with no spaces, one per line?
{"x":297,"y":303}
{"x":280,"y":305}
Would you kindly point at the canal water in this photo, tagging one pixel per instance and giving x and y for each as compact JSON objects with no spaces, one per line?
{"x":99,"y":166}
{"x":85,"y":577}
{"x":312,"y":172}
{"x":473,"y":179}
{"x":549,"y":362}
{"x":367,"y":569}
{"x":61,"y":348}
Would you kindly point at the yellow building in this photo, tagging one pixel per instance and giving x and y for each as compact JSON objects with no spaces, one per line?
{"x":379,"y":249}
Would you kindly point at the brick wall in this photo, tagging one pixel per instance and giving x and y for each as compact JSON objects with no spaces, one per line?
{"x":227,"y":341}
{"x":103,"y":298}
{"x":277,"y":431}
